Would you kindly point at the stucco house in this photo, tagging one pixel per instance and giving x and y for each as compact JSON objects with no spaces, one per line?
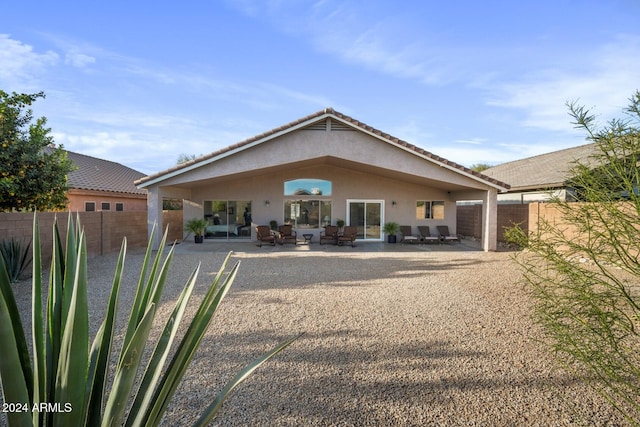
{"x":316,"y":170}
{"x":103,"y":185}
{"x":538,"y":178}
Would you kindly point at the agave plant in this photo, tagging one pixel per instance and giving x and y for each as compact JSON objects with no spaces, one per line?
{"x":16,"y":257}
{"x":67,"y":383}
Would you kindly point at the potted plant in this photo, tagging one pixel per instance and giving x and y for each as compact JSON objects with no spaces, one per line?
{"x":273,"y":224}
{"x":390,"y":229}
{"x":197,"y":227}
{"x":340,"y":223}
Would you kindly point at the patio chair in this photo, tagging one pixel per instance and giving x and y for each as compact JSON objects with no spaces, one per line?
{"x":425,"y":234}
{"x":286,"y":233}
{"x":330,"y":233}
{"x":349,"y":234}
{"x":443,"y":230}
{"x":264,"y":235}
{"x":407,"y":237}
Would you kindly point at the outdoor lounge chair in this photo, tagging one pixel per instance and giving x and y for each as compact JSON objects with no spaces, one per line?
{"x":407,"y":237}
{"x":425,"y":234}
{"x":348,"y":235}
{"x":443,"y":230}
{"x":286,"y":233}
{"x":330,"y":233}
{"x":264,"y":235}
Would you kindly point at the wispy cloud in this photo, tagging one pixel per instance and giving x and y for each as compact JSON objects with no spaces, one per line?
{"x":20,"y":64}
{"x":604,"y":80}
{"x":79,"y":60}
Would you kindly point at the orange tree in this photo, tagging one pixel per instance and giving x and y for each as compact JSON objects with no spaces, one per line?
{"x":33,"y":171}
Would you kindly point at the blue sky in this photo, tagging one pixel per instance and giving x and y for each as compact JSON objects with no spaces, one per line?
{"x":140,"y":82}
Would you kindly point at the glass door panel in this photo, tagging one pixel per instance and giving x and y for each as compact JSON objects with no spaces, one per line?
{"x":366,"y":215}
{"x":228,"y":219}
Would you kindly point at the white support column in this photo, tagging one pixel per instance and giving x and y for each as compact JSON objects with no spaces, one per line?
{"x":490,"y":220}
{"x":154,"y":214}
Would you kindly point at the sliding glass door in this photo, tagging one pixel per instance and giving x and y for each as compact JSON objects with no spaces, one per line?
{"x":228,"y":219}
{"x":366,"y":215}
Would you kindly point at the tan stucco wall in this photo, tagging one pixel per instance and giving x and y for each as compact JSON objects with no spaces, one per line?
{"x":77,"y":199}
{"x":347,"y":184}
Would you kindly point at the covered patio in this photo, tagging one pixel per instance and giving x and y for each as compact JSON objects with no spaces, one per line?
{"x":318,"y":170}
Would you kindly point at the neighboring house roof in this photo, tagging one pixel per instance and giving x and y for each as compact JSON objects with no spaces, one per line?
{"x":309,"y":121}
{"x":545,"y":171}
{"x":102,"y":175}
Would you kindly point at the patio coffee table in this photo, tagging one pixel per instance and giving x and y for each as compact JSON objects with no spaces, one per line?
{"x":307,"y":238}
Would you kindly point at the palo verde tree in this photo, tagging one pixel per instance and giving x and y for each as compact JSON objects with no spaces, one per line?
{"x":584,"y":271}
{"x":33,"y":172}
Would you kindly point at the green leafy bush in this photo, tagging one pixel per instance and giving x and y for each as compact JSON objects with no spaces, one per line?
{"x":68,"y":372}
{"x":16,"y":257}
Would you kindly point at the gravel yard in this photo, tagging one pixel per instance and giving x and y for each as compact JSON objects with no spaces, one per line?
{"x":394,"y":335}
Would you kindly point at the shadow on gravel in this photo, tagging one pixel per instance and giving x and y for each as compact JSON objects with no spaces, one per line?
{"x":322,"y":378}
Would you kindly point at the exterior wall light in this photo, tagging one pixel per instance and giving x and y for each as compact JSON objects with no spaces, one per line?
{"x":266,"y":203}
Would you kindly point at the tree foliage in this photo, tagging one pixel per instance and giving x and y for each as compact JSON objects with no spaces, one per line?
{"x":479,"y":167}
{"x":33,"y":172}
{"x":584,"y":270}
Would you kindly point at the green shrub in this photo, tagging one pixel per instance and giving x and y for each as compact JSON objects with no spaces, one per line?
{"x":68,"y":372}
{"x":515,"y":236}
{"x":16,"y":257}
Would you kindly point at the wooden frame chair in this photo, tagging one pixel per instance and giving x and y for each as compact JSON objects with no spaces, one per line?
{"x":330,"y":233}
{"x":349,"y":235}
{"x":286,"y":233}
{"x":264,"y":235}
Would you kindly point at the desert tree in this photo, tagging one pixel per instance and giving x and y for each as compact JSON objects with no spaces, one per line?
{"x":584,"y":270}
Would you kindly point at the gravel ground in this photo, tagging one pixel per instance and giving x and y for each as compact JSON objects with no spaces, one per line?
{"x":394,"y":335}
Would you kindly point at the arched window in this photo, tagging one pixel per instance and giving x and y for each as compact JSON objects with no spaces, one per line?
{"x":307,"y":187}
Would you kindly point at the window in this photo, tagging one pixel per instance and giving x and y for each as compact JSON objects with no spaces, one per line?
{"x":307,"y":187}
{"x":119,"y":207}
{"x":307,"y":213}
{"x":105,"y":206}
{"x":89,"y":206}
{"x":430,"y":209}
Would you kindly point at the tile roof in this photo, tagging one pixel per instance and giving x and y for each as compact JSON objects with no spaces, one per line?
{"x":102,"y":175}
{"x":328,"y":111}
{"x":544,"y":171}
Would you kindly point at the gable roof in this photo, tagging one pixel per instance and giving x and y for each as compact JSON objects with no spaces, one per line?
{"x":102,"y":175}
{"x":544,"y":171}
{"x":306,"y":121}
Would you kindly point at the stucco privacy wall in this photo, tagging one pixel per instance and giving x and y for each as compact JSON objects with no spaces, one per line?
{"x":104,"y":230}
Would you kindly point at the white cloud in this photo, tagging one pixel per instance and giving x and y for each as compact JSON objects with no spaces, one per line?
{"x":20,"y":65}
{"x":603,"y":81}
{"x":78,"y":60}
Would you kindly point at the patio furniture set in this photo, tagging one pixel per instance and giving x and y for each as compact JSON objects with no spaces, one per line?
{"x":425,"y":236}
{"x":333,"y":235}
{"x":348,"y":234}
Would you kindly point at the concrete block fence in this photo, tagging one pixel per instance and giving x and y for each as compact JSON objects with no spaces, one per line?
{"x":104,"y":230}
